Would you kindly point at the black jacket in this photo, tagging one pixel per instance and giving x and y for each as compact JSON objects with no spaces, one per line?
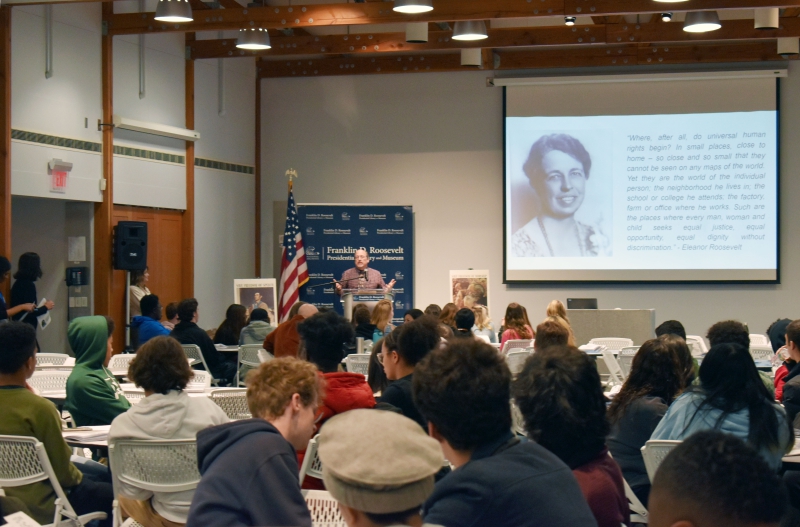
{"x":191,"y":333}
{"x":24,"y":292}
{"x":249,"y":478}
{"x":509,"y":485}
{"x":791,"y":393}
{"x":398,"y":394}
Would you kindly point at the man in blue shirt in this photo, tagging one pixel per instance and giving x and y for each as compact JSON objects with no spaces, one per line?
{"x":149,"y":324}
{"x":462,"y":390}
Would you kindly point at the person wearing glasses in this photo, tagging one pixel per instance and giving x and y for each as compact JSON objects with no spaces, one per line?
{"x":558,"y":168}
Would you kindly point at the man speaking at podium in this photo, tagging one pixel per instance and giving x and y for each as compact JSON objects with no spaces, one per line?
{"x":362,"y":277}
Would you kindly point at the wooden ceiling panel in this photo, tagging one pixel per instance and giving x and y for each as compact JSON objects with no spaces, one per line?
{"x":673,"y":32}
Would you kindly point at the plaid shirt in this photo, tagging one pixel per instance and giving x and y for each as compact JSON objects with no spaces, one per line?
{"x":374,"y":279}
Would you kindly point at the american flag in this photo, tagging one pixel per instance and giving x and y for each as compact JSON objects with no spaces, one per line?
{"x":294,"y":271}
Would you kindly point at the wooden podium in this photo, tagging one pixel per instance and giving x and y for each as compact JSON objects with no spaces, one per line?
{"x":370,"y":297}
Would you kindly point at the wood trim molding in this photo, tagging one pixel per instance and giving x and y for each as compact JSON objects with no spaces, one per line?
{"x":5,"y":138}
{"x":187,"y":241}
{"x":103,"y":211}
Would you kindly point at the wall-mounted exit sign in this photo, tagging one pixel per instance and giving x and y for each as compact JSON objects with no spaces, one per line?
{"x":59,"y":170}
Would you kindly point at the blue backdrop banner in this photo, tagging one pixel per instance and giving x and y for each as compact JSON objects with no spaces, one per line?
{"x":331,"y":235}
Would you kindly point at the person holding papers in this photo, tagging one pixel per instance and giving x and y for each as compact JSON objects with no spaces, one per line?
{"x":5,"y":311}
{"x":94,"y":397}
{"x":27,"y":414}
{"x":23,"y":291}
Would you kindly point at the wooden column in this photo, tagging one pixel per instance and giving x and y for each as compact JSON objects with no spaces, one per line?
{"x":5,"y":139}
{"x":103,"y":211}
{"x":187,"y":240}
{"x":258,"y":178}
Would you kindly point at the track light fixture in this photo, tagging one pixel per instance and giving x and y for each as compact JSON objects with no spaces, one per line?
{"x":766,"y":18}
{"x":411,"y":7}
{"x":788,"y":47}
{"x":470,"y":30}
{"x":175,"y":11}
{"x":701,"y":21}
{"x":666,"y":17}
{"x":253,"y":38}
{"x":569,"y":20}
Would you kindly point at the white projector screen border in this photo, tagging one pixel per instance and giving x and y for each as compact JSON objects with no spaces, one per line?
{"x":595,"y":274}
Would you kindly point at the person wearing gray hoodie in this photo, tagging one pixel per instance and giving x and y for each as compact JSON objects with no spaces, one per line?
{"x":167,"y":412}
{"x":257,"y":329}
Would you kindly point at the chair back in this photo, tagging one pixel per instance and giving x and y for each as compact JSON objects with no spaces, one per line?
{"x":358,"y":363}
{"x":264,"y":355}
{"x":311,"y":466}
{"x":612,"y":343}
{"x":233,"y":402}
{"x":166,"y":465}
{"x":134,"y":396}
{"x":696,"y":345}
{"x":516,"y":359}
{"x":23,"y":460}
{"x":761,"y":352}
{"x":760,"y":340}
{"x":654,"y":452}
{"x":201,"y":380}
{"x":51,"y":359}
{"x":516,"y":344}
{"x":324,"y":509}
{"x":616,"y":377}
{"x":625,"y":359}
{"x":118,"y":365}
{"x":194,"y":355}
{"x":49,"y":381}
{"x":248,"y":355}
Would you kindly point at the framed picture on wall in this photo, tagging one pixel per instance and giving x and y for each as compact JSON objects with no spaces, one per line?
{"x":469,"y":288}
{"x":257,"y":293}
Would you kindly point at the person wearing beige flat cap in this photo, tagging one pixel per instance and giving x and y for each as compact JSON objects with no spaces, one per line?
{"x":391,"y":476}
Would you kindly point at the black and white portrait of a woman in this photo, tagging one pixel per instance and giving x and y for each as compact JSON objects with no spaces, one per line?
{"x":558,"y":169}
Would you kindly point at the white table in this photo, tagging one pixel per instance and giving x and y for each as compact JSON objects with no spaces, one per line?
{"x":87,"y":436}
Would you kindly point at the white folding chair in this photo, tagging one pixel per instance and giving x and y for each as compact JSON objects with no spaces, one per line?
{"x":118,"y":365}
{"x":233,"y":402}
{"x":249,"y":357}
{"x":654,"y":451}
{"x":311,"y":466}
{"x":516,"y":359}
{"x":625,"y":359}
{"x":51,"y":359}
{"x":200,"y":382}
{"x":23,"y":460}
{"x":760,"y":340}
{"x":696,"y":345}
{"x":168,"y":465}
{"x":49,"y":382}
{"x":324,"y":509}
{"x":510,"y":345}
{"x":264,"y":355}
{"x":134,"y":396}
{"x":761,"y":352}
{"x":616,"y":377}
{"x":612,"y":343}
{"x":194,"y":354}
{"x":358,"y":363}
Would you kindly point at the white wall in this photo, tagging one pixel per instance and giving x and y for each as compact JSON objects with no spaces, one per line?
{"x":435,"y":141}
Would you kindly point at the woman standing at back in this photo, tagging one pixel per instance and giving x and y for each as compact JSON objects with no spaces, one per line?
{"x":516,"y":328}
{"x":23,"y":291}
{"x":138,"y":289}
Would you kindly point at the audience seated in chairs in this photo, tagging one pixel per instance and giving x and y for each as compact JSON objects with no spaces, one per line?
{"x":448,"y":315}
{"x":94,"y":397}
{"x":148,"y":324}
{"x":402,"y":350}
{"x":562,"y":404}
{"x":167,"y":412}
{"x":734,"y":332}
{"x":26,"y":414}
{"x":361,"y":320}
{"x":731,"y":398}
{"x":171,"y":312}
{"x":433,"y":310}
{"x":658,"y":375}
{"x":713,"y":479}
{"x":323,"y":337}
{"x":249,"y":468}
{"x":791,"y":386}
{"x":556,"y":309}
{"x":674,"y":327}
{"x":515,"y":325}
{"x":412,"y":314}
{"x":376,"y":377}
{"x":552,"y":332}
{"x":462,"y":390}
{"x":392,"y":475}
{"x":230,"y":329}
{"x":284,"y":341}
{"x":464,"y":321}
{"x":483,"y":324}
{"x":257,"y":328}
{"x":188,"y":332}
{"x":777,"y":338}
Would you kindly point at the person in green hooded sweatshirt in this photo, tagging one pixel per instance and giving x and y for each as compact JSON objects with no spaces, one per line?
{"x":94,"y":396}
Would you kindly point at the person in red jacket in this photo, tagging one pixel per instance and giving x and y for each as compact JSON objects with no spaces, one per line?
{"x":322,"y":340}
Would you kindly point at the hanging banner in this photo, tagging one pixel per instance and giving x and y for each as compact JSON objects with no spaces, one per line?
{"x":333,"y":233}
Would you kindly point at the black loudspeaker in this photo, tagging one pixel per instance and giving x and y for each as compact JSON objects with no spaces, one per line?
{"x":130,"y":245}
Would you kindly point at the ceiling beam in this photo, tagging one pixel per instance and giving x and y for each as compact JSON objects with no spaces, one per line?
{"x":673,"y":32}
{"x":710,"y":52}
{"x":396,"y":42}
{"x":274,"y":17}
